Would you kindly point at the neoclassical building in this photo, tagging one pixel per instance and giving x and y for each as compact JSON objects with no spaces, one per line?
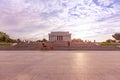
{"x":59,"y":36}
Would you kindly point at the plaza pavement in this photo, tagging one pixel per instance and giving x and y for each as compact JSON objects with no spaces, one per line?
{"x":59,"y":65}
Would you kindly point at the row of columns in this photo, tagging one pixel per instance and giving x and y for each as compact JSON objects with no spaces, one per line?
{"x":56,"y":38}
{"x":59,"y":37}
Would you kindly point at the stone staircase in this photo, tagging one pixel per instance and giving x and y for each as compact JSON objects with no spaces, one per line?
{"x":61,"y":45}
{"x":82,"y":46}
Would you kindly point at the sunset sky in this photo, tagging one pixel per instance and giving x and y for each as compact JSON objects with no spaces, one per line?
{"x":85,"y":19}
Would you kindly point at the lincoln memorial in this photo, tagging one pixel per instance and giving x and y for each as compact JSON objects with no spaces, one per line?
{"x":59,"y":36}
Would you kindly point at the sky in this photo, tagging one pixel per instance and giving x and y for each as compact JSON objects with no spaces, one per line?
{"x":34,"y":19}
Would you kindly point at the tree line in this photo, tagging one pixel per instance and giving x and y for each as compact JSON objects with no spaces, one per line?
{"x":116,"y":36}
{"x":5,"y":38}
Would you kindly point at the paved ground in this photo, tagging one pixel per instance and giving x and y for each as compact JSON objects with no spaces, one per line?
{"x":59,"y":65}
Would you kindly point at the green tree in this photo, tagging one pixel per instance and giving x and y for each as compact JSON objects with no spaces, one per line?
{"x":116,"y":36}
{"x":44,"y":40}
{"x":38,"y":41}
{"x":77,"y":40}
{"x":109,"y":41}
{"x":4,"y":37}
{"x":19,"y":41}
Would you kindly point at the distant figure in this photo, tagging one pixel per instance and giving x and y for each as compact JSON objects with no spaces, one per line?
{"x":68,"y":43}
{"x":44,"y":46}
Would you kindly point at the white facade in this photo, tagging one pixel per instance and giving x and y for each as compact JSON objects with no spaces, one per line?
{"x":59,"y":36}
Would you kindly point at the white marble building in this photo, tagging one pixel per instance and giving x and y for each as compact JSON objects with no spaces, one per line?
{"x":59,"y":36}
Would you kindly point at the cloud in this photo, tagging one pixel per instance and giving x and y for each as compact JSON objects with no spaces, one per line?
{"x":28,"y":19}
